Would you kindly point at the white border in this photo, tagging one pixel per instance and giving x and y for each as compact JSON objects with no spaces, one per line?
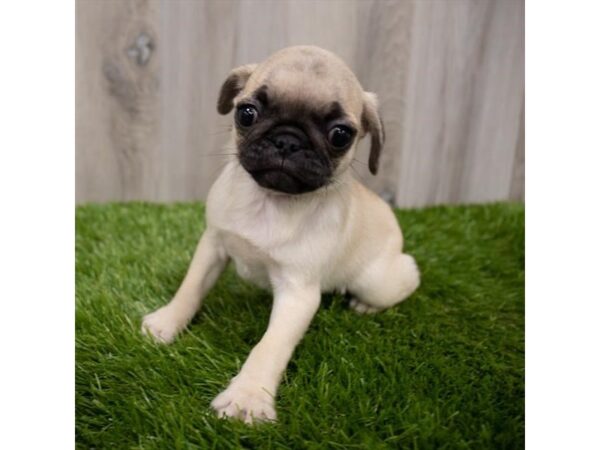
{"x":36,"y":226}
{"x":37,"y":235}
{"x":563,"y":224}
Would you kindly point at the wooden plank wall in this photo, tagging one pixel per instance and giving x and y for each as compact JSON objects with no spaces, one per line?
{"x":449,"y":74}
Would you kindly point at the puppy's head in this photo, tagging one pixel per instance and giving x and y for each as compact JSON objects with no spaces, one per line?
{"x":298,"y":118}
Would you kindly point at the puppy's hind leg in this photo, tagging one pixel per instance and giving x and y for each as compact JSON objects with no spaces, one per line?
{"x":207,"y":264}
{"x":384,"y":283}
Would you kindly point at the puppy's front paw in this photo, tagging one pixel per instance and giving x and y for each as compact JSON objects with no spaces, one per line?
{"x":249,"y":403}
{"x":363,"y":308}
{"x":163,"y":325}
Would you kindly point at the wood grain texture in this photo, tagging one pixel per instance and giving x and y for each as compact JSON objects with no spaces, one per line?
{"x":517,"y":185}
{"x":449,"y":76}
{"x":198,"y":52}
{"x":116,"y":100}
{"x":383,"y":69}
{"x":464,"y":100}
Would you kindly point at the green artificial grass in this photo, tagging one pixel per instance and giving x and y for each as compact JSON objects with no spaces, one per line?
{"x":444,"y":369}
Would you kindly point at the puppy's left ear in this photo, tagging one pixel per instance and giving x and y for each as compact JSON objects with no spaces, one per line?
{"x":232,"y":86}
{"x":371,"y":122}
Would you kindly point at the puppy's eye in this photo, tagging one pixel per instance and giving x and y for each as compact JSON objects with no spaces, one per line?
{"x":340,"y":136}
{"x":246,"y":115}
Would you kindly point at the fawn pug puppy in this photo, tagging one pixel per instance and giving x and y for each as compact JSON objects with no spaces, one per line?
{"x":290,"y":215}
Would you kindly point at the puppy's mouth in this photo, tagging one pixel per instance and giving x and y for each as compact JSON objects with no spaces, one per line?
{"x":283,"y":179}
{"x":284,"y":159}
{"x":288,"y":175}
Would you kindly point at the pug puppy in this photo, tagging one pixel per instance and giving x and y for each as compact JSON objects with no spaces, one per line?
{"x":291,"y":217}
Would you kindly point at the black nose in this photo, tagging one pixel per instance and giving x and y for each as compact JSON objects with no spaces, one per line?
{"x":287,"y":143}
{"x":288,"y":139}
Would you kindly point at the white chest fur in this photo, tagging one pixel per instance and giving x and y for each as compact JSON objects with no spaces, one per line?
{"x":266,"y":233}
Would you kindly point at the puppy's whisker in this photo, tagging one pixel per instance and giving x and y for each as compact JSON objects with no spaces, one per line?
{"x":210,"y":155}
{"x":357,"y":174}
{"x":218,"y":170}
{"x":358,"y":161}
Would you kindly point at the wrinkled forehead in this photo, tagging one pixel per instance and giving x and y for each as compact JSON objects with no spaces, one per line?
{"x":289,"y":104}
{"x":307,"y":86}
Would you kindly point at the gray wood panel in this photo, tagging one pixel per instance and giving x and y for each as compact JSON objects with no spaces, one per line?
{"x":464,"y":101}
{"x":117,"y":98}
{"x":449,"y":76}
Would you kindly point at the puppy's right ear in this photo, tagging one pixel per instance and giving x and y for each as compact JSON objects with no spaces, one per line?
{"x":371,"y":121}
{"x":232,"y":86}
